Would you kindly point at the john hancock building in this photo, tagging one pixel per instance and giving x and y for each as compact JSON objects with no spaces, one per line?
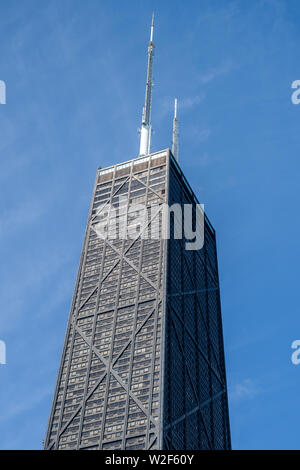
{"x":142,"y":365}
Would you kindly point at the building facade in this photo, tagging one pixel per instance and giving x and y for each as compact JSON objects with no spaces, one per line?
{"x":143,"y":361}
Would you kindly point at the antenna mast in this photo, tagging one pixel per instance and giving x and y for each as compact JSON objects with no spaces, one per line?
{"x":175,"y":132}
{"x":146,"y":128}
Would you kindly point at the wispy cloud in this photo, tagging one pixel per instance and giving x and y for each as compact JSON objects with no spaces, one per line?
{"x":15,"y":297}
{"x":244,"y":390}
{"x":184,"y":103}
{"x":202,"y":134}
{"x":219,"y":15}
{"x":203,"y":160}
{"x":26,"y":213}
{"x":197,"y":133}
{"x":28,"y":402}
{"x":191,"y":101}
{"x":223,"y":69}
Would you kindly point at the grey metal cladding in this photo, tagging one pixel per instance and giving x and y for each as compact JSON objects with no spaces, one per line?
{"x":107,"y":394}
{"x":143,"y":360}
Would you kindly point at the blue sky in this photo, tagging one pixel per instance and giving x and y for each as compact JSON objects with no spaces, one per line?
{"x":75,"y":76}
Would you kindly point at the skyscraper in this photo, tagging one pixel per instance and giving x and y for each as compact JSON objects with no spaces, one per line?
{"x":143,"y":361}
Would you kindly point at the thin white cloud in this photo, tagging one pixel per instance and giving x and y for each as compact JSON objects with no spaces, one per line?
{"x":25,"y":214}
{"x":15,"y":297}
{"x":244,"y":390}
{"x":223,"y":69}
{"x":198,"y":134}
{"x":222,"y":14}
{"x":191,"y":101}
{"x":184,"y":103}
{"x":203,"y":135}
{"x":203,"y":160}
{"x":28,"y":402}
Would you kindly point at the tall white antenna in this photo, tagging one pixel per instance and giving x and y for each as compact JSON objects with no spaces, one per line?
{"x":175,"y":132}
{"x":145,"y":130}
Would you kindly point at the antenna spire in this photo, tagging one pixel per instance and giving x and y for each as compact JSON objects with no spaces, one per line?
{"x":175,"y":132}
{"x":152,"y":27}
{"x":146,"y":128}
